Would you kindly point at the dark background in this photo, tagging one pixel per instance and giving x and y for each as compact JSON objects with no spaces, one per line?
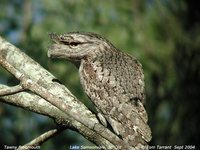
{"x":163,"y":34}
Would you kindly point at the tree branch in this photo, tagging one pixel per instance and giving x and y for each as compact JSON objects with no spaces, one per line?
{"x":42,"y":138}
{"x":35,"y":78}
{"x":35,"y":103}
{"x":11,"y":90}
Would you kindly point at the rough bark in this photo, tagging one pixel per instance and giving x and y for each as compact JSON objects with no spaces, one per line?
{"x":33,"y":76}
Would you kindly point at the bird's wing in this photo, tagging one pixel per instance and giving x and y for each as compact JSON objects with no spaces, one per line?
{"x":115,"y":89}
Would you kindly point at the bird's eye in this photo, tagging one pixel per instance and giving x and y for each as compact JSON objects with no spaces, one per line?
{"x":74,"y":44}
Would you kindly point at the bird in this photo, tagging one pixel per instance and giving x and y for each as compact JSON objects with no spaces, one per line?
{"x":112,"y":79}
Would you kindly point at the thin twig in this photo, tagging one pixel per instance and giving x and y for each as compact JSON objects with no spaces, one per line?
{"x":11,"y":90}
{"x":42,"y":138}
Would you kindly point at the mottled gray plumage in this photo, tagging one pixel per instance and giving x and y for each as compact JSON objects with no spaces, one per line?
{"x":112,"y":79}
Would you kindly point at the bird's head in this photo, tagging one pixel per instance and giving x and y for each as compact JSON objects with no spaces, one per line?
{"x":75,"y":46}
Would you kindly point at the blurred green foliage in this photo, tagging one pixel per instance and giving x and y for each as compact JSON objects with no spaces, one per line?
{"x":163,"y":34}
